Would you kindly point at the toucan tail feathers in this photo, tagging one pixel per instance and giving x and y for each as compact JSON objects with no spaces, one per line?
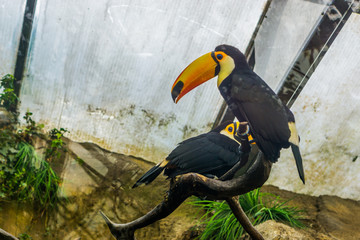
{"x":149,"y":176}
{"x":299,"y":163}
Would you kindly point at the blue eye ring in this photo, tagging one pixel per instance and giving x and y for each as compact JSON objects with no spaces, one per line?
{"x":219,"y":56}
{"x":230,"y":129}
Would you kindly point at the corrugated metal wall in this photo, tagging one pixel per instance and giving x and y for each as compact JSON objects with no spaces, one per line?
{"x":104,"y":69}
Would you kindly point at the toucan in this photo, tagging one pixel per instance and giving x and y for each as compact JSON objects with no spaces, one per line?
{"x":271,"y":122}
{"x":211,"y":154}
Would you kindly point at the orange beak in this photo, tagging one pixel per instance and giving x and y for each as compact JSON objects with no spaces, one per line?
{"x":199,"y":71}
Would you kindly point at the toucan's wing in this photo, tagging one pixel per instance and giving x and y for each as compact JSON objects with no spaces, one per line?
{"x":256,"y":103}
{"x":211,"y":153}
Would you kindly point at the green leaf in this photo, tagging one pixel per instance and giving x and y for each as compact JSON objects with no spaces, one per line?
{"x":222,"y":224}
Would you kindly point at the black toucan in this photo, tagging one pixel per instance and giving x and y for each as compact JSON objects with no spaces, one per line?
{"x":211,"y":154}
{"x":272,"y":124}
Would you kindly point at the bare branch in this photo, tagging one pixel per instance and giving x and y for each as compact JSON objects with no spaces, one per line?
{"x":198,"y":185}
{"x":6,"y":236}
{"x":243,"y":219}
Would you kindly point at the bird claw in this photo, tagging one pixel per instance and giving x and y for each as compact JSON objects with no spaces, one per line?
{"x":243,"y":129}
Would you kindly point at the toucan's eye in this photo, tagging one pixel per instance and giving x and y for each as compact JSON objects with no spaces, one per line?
{"x":219,"y":56}
{"x":230,"y":129}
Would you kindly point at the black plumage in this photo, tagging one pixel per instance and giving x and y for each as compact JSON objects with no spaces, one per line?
{"x":210,"y":154}
{"x":252,"y":100}
{"x":271,"y":122}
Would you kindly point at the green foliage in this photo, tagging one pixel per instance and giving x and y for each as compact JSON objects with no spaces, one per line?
{"x":222,"y":224}
{"x":31,"y":129}
{"x":25,"y":236}
{"x":8,"y":98}
{"x":80,"y":161}
{"x":57,"y":144}
{"x":24,"y":174}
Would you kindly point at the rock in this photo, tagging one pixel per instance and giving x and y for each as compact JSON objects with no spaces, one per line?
{"x":272,"y":230}
{"x":339,"y":217}
{"x":5,"y":117}
{"x":331,"y":215}
{"x":15,"y":217}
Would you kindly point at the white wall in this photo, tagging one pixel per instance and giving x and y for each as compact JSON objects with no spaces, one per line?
{"x":104,"y":69}
{"x":328,"y":119}
{"x":11,"y":18}
{"x":281,"y":36}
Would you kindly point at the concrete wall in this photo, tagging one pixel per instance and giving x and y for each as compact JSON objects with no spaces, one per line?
{"x":104,"y":69}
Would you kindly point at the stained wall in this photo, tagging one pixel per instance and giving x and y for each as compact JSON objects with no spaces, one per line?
{"x":104,"y":69}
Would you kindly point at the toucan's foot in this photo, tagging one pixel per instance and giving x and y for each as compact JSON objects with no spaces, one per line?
{"x":242,"y":133}
{"x":120,"y":231}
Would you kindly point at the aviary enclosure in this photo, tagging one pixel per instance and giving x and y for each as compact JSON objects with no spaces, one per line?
{"x":91,"y":104}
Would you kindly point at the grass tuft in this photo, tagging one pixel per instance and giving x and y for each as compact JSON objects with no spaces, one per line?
{"x":30,"y":178}
{"x":221,"y":223}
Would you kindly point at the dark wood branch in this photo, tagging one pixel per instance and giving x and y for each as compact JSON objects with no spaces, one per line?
{"x":126,"y":231}
{"x":243,"y":219}
{"x":233,"y":202}
{"x":6,"y":236}
{"x":198,"y":185}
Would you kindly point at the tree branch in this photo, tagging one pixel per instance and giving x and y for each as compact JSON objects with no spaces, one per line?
{"x":6,"y":236}
{"x":243,"y":219}
{"x":198,"y":185}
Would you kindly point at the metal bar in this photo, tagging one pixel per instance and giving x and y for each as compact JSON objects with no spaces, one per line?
{"x":313,"y":50}
{"x":24,"y":44}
